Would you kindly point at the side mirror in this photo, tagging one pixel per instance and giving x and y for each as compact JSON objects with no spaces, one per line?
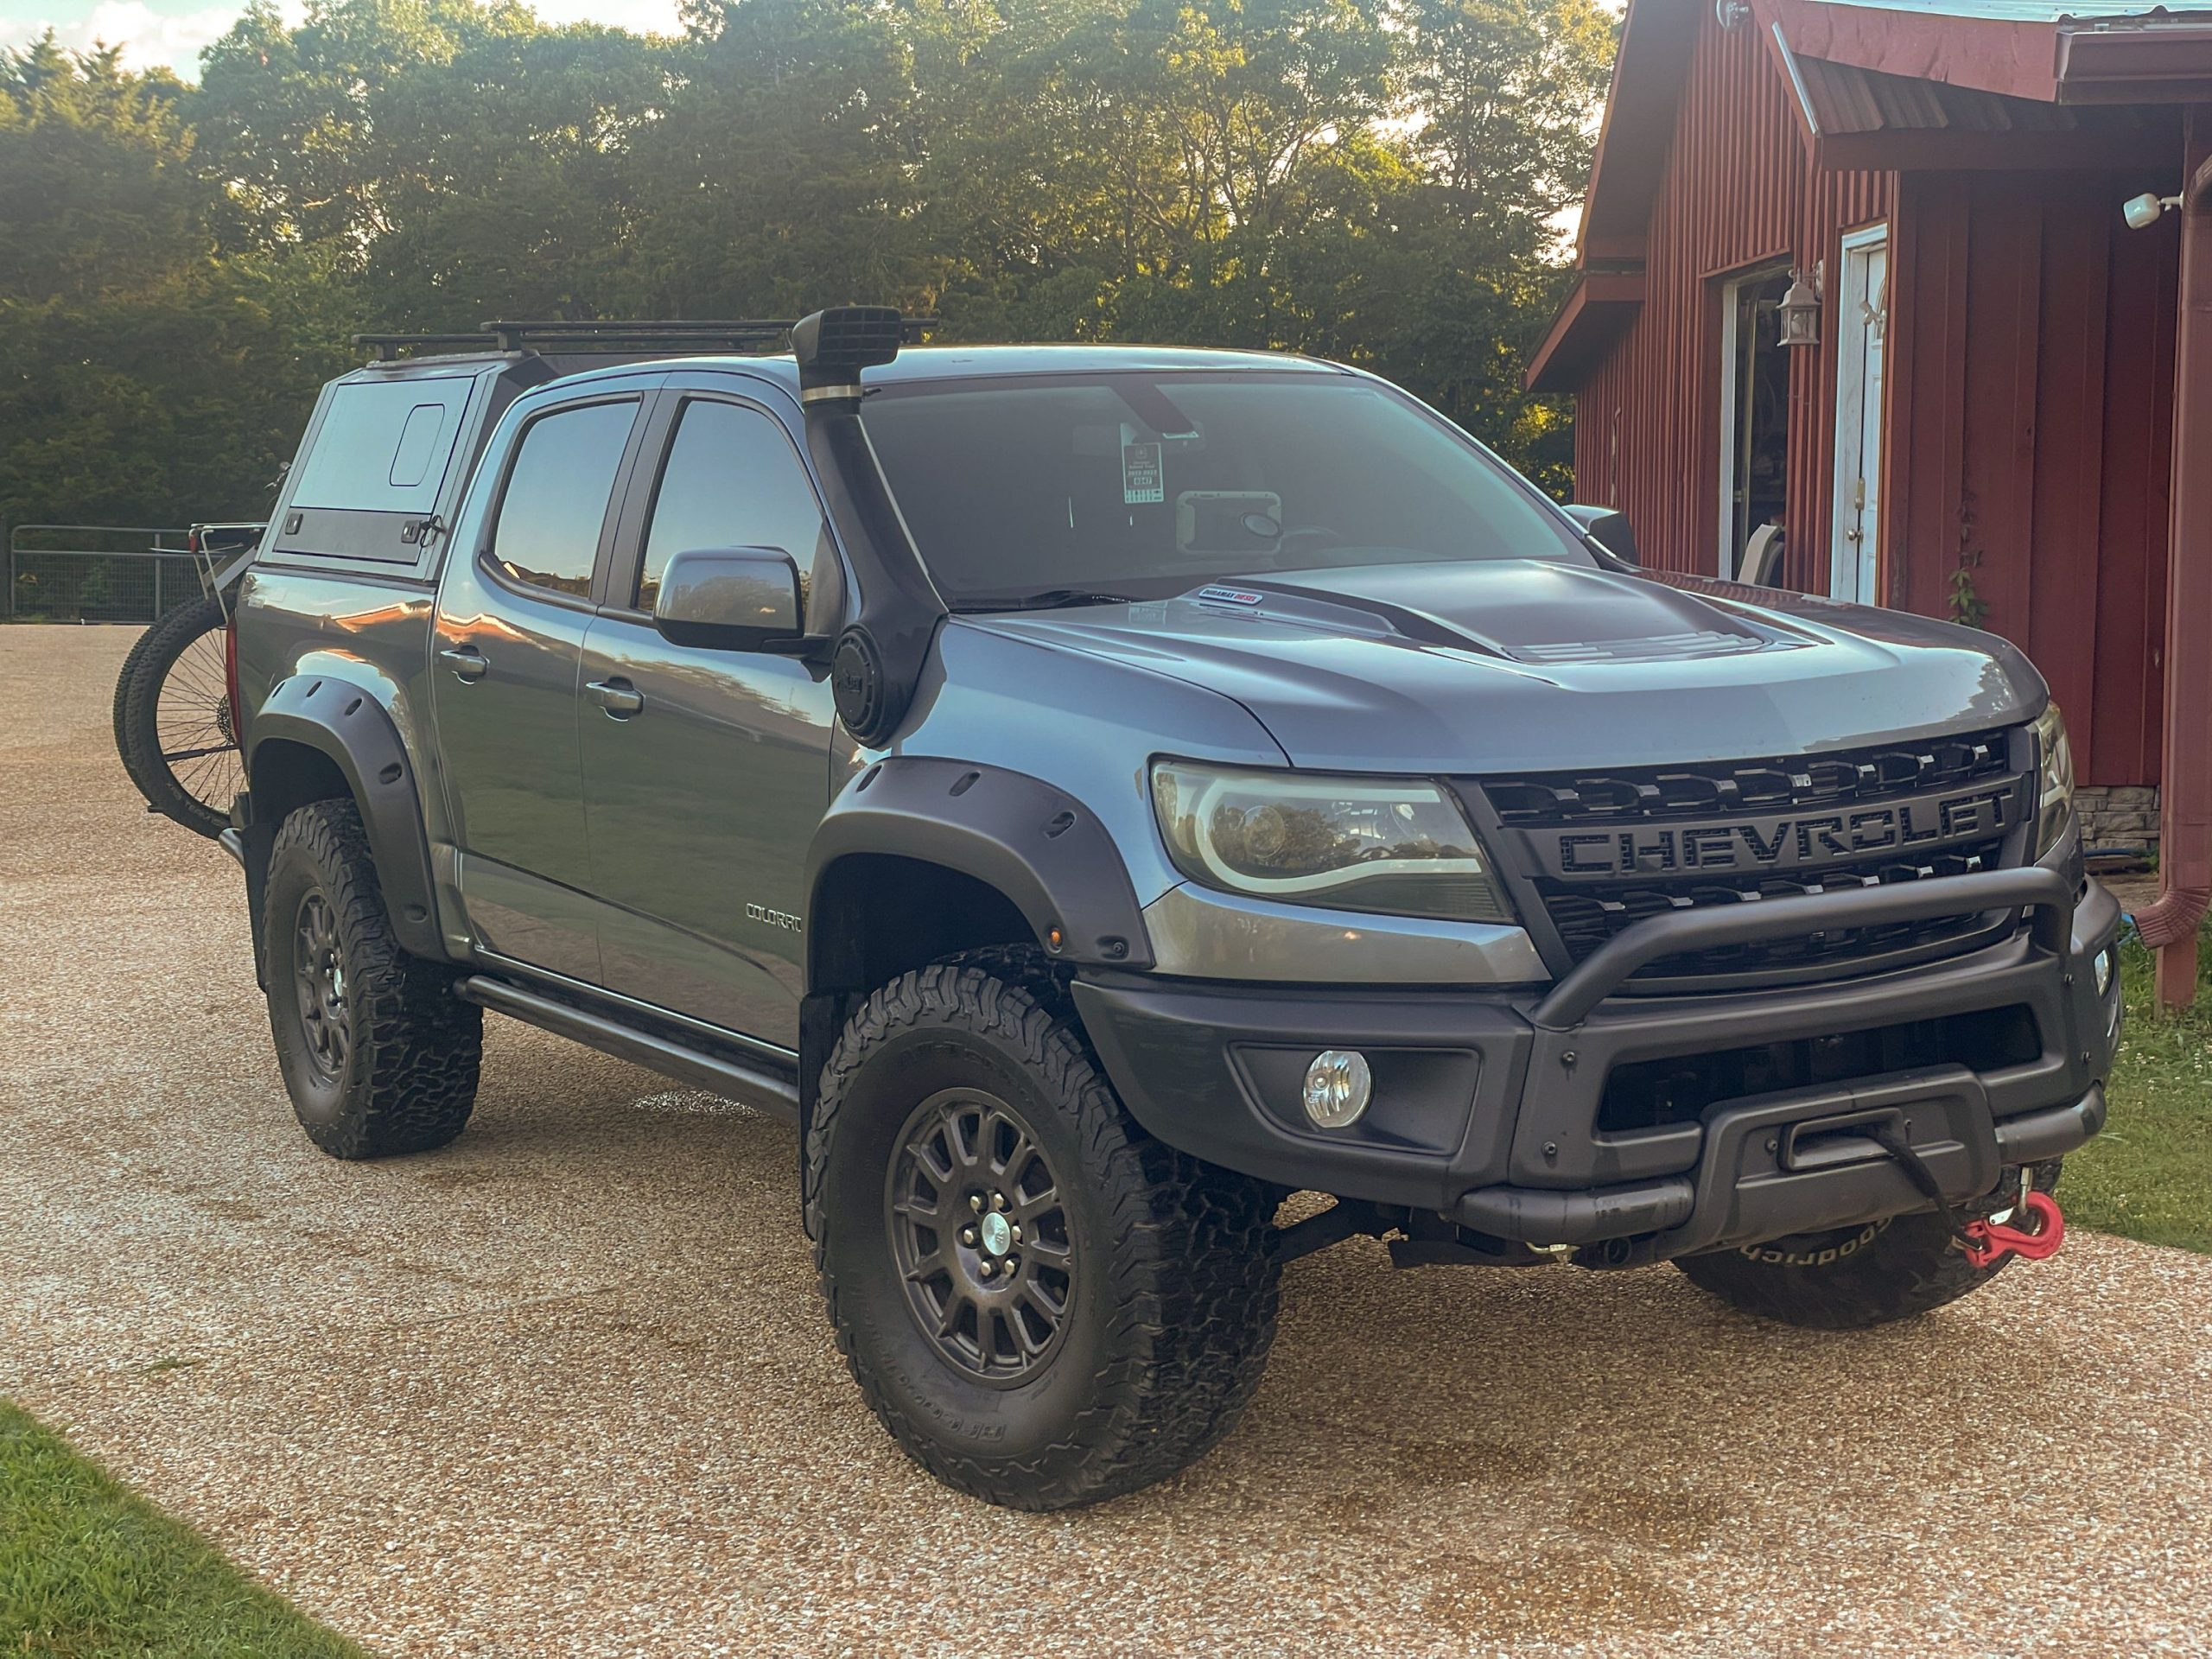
{"x":1609,"y":528}
{"x":730,"y":599}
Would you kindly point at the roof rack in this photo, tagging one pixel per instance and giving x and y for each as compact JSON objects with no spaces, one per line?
{"x":744,"y":334}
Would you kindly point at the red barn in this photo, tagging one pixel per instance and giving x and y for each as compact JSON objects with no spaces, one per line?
{"x":1910,"y":301}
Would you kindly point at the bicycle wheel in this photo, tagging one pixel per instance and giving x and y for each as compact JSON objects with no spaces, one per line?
{"x":174,"y":719}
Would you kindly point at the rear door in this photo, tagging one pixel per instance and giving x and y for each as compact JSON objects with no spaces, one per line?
{"x":511,"y":615}
{"x":701,"y":800}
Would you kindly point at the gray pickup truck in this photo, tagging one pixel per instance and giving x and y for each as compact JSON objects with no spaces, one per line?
{"x":1097,"y":793}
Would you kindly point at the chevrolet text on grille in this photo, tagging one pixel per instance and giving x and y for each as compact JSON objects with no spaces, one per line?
{"x":1788,"y":842}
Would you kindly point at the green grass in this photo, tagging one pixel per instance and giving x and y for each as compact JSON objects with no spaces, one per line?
{"x":87,"y":1569}
{"x":2149,"y":1175}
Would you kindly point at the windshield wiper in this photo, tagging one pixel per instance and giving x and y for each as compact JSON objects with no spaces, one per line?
{"x":1052,"y":599}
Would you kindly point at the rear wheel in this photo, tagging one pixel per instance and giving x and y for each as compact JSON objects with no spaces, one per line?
{"x":1849,"y":1278}
{"x":1043,"y":1306}
{"x":378,"y":1055}
{"x":172,"y":718}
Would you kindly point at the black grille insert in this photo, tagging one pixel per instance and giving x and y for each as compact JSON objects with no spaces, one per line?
{"x":1659,"y":1094}
{"x":1603,"y":851}
{"x":1656,"y":794}
{"x":1586,"y":916}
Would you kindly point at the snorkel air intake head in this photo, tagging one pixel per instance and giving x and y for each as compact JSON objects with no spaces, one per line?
{"x":833,"y":347}
{"x":878,"y":659}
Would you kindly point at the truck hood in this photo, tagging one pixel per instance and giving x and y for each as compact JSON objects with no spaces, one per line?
{"x":1538,"y":665}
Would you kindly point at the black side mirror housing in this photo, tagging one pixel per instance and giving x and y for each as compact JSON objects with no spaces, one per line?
{"x":731,"y":599}
{"x":1609,"y":528}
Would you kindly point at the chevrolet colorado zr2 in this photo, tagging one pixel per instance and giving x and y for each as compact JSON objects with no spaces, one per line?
{"x":1096,"y":793}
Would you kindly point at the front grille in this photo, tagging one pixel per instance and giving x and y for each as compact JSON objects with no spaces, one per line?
{"x":1603,"y":851}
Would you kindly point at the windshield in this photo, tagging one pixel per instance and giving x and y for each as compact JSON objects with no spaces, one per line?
{"x":1063,"y":488}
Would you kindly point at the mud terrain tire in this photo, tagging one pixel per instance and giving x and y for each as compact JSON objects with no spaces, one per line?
{"x":378,"y":1053}
{"x":1164,"y":1268}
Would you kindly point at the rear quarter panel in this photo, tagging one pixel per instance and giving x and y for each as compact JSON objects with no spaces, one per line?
{"x":373,"y":632}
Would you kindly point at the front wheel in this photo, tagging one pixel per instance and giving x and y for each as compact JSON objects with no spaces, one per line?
{"x":1849,"y":1278}
{"x":1043,"y":1306}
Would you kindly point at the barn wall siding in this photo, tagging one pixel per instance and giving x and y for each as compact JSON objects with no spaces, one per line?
{"x":2031,"y":406}
{"x":2030,"y":395}
{"x":1739,"y":192}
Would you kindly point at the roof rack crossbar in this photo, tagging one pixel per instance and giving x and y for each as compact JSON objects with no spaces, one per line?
{"x":517,"y":336}
{"x":608,"y":334}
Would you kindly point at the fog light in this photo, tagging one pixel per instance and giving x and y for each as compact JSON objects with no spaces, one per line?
{"x":1338,"y":1087}
{"x":2102,"y":970}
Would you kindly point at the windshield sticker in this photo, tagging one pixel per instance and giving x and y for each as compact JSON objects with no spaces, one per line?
{"x":1141,"y":483}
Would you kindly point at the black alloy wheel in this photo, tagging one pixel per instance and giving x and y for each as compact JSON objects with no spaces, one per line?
{"x":319,"y":984}
{"x":980,"y":1236}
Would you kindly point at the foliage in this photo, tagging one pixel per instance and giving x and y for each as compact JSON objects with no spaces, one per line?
{"x":86,"y":1569}
{"x":1965,"y":603}
{"x":2149,"y":1175}
{"x":1374,"y":181}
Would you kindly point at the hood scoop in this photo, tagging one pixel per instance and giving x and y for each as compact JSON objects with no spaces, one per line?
{"x":1540,"y":612}
{"x":1706,"y":642}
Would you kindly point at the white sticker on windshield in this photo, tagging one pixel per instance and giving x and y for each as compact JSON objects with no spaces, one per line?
{"x":1140,"y":474}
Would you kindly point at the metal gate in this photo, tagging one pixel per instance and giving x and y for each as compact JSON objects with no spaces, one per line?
{"x":98,"y":573}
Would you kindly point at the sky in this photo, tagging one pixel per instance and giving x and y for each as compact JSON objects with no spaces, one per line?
{"x":155,"y":32}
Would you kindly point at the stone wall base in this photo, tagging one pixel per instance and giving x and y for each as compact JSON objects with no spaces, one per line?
{"x":2118,"y":815}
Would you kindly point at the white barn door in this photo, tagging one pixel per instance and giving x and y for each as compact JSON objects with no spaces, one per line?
{"x":1862,"y":317}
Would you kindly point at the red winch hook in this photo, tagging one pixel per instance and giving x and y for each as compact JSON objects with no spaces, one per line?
{"x":1991,"y":1242}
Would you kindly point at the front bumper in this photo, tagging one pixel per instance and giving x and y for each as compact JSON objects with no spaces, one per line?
{"x":1499,"y":1108}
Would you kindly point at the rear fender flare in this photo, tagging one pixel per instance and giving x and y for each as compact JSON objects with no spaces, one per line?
{"x":345,"y":722}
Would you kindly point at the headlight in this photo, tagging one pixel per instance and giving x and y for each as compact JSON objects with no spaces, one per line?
{"x":2055,"y":766}
{"x":1400,"y":847}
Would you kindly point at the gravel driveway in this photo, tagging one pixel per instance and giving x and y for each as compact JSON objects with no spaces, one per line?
{"x":564,"y":1387}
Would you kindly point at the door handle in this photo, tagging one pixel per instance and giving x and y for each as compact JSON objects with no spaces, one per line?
{"x":467,"y":662}
{"x":618,"y":697}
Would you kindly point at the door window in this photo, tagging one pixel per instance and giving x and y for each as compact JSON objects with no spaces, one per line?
{"x":557,"y":496}
{"x":732,"y":479}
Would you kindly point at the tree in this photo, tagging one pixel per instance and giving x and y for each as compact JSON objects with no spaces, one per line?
{"x":143,"y":379}
{"x":1375,"y":180}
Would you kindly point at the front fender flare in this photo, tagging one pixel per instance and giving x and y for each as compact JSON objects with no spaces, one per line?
{"x":1033,"y":842}
{"x":347,"y":723}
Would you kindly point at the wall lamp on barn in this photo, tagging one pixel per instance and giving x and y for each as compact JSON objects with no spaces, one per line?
{"x":1797,"y":319}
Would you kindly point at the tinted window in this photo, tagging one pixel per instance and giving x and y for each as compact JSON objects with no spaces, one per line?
{"x":1148,"y":485}
{"x":556,"y":497}
{"x":384,"y":446}
{"x":732,"y":479}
